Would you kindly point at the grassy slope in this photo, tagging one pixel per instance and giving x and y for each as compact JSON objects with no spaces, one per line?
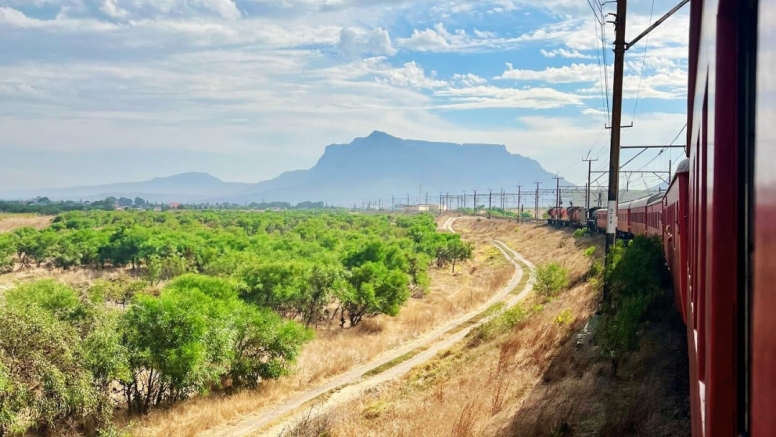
{"x":534,"y":380}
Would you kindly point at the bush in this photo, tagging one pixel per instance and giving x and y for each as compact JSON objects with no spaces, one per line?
{"x":550,"y":279}
{"x":580,"y":233}
{"x":500,"y":323}
{"x":564,"y":318}
{"x":44,"y":382}
{"x":637,"y":276}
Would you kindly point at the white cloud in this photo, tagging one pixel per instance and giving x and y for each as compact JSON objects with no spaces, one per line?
{"x":563,"y":53}
{"x":429,"y":40}
{"x":354,"y":42}
{"x":411,"y":75}
{"x":478,"y":97}
{"x":469,"y":79}
{"x":566,"y":74}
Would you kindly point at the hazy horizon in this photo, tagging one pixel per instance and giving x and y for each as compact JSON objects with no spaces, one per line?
{"x":102,"y":91}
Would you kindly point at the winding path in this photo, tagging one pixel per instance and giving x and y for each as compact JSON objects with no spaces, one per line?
{"x":350,"y":384}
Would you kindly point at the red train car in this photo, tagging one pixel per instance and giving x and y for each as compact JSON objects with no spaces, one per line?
{"x":655,"y":215}
{"x":557,"y":216}
{"x":721,"y":235}
{"x":674,"y":217}
{"x":623,"y":220}
{"x":637,"y":216}
{"x":576,"y":216}
{"x":600,"y":220}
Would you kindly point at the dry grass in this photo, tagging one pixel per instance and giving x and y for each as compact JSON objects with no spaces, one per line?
{"x":9,"y":222}
{"x":336,"y":350}
{"x":535,"y":380}
{"x":78,"y":278}
{"x":475,"y":390}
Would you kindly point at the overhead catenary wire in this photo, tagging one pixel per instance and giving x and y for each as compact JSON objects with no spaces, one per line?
{"x":664,"y":148}
{"x":643,"y":63}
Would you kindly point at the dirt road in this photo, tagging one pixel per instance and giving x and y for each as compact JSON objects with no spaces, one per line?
{"x":277,"y":420}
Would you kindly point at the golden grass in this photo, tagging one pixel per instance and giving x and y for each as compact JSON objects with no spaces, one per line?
{"x":78,"y":278}
{"x":9,"y":222}
{"x":475,"y":389}
{"x":336,"y":350}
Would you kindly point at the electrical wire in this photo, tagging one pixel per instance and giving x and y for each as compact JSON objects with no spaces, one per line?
{"x":643,"y":62}
{"x":664,"y":148}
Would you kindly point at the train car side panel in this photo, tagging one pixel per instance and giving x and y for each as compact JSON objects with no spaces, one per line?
{"x":763,"y":261}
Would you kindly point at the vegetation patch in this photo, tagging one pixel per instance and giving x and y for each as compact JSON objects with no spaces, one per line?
{"x":637,"y":277}
{"x":226,"y":301}
{"x":550,"y":279}
{"x":394,"y":362}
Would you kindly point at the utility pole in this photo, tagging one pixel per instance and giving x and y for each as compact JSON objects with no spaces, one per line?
{"x":475,"y":202}
{"x":614,"y":147}
{"x":393,"y":206}
{"x":587,"y":192}
{"x":536,"y":206}
{"x":557,"y":200}
{"x":490,"y":201}
{"x":519,"y":211}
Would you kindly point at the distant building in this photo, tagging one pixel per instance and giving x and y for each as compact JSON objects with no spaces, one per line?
{"x":425,"y":207}
{"x":174,"y":205}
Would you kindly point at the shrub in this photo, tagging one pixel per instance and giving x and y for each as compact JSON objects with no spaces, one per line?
{"x":55,"y":298}
{"x":550,"y":279}
{"x":265,"y":346}
{"x":44,"y":382}
{"x":580,"y":233}
{"x":637,"y":276}
{"x":500,"y":323}
{"x":564,"y":318}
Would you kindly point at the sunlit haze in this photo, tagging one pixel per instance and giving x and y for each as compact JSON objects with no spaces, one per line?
{"x":98,"y":91}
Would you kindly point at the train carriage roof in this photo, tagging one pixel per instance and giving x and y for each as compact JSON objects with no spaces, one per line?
{"x":656,"y":198}
{"x":638,"y":203}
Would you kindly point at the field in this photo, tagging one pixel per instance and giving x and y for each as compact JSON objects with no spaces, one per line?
{"x":186,"y":323}
{"x":9,"y":222}
{"x":250,"y":290}
{"x":530,"y":372}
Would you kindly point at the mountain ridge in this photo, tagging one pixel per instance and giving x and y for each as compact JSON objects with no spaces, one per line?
{"x":376,"y":166}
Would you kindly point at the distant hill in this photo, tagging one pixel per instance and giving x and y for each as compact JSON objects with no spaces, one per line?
{"x":184,"y":187}
{"x":380,"y":165}
{"x":373,"y":167}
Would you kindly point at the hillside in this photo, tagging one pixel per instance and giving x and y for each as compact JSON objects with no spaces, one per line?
{"x":373,"y":167}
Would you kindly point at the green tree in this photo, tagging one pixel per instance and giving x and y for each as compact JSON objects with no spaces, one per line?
{"x":320,"y":284}
{"x":373,"y":290}
{"x":550,"y":279}
{"x":172,"y":353}
{"x":43,"y":380}
{"x":458,"y":250}
{"x":265,"y":345}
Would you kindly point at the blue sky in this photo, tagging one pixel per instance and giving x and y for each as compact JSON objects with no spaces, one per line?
{"x":95,"y":91}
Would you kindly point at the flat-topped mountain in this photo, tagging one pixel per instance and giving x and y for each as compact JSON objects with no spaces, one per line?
{"x":380,"y":166}
{"x":369,"y":168}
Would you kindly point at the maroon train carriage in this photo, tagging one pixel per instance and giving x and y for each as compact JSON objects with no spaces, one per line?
{"x":655,"y":215}
{"x":576,"y":216}
{"x":637,"y":217}
{"x":557,"y":215}
{"x":722,"y":229}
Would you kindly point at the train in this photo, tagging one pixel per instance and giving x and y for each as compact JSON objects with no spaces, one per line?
{"x":573,"y":216}
{"x":717,"y":220}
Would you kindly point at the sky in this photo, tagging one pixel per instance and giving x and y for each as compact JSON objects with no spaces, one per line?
{"x":99,"y":91}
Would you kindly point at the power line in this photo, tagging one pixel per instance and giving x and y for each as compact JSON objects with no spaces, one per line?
{"x":664,"y":148}
{"x":643,"y":62}
{"x":606,"y":68}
